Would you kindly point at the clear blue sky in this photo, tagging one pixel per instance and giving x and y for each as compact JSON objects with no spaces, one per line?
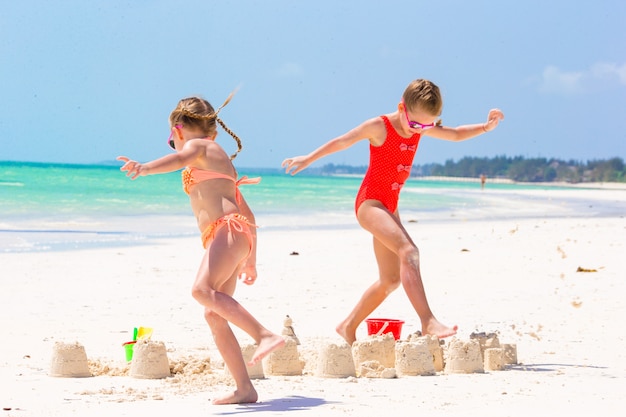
{"x":84,"y":81}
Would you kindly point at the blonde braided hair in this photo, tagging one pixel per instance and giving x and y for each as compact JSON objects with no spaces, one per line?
{"x":197,"y":113}
{"x":424,"y":94}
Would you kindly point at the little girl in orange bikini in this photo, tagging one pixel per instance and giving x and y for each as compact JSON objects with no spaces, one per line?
{"x":394,"y":138}
{"x":228,"y":233}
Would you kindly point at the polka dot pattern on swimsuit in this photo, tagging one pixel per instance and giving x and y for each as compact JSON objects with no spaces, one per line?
{"x":390,"y":166}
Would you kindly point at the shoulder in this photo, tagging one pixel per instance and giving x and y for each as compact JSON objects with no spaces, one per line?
{"x":205,"y":146}
{"x":207,"y":153}
{"x":373,"y":127}
{"x":372,"y":130}
{"x":375,"y":130}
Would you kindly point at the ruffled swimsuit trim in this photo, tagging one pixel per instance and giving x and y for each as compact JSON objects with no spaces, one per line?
{"x":236,"y":223}
{"x":192,"y":176}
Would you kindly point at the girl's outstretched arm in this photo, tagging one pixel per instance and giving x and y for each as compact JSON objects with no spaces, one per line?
{"x":162,"y":165}
{"x":369,"y":129}
{"x":464,"y":132}
{"x":168,"y":163}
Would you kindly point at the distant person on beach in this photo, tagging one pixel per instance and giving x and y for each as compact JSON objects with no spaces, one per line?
{"x":393,"y":141}
{"x":483,"y":180}
{"x":228,"y":233}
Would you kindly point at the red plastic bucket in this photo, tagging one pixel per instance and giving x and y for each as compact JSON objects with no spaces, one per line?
{"x":376,"y":326}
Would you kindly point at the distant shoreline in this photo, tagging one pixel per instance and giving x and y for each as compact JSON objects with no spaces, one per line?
{"x":464,"y":179}
{"x":259,"y":170}
{"x":603,"y":185}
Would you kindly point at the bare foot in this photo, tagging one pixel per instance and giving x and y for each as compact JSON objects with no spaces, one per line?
{"x":267,"y":345}
{"x":349,"y":335}
{"x":238,"y":397}
{"x":438,"y":329}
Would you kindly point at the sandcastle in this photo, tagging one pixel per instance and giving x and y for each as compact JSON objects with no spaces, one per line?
{"x":463,"y":357}
{"x":483,"y":352}
{"x":414,"y":358}
{"x":495,"y":356}
{"x":286,"y":360}
{"x":373,"y":355}
{"x":486,"y":341}
{"x":377,"y":356}
{"x":336,"y":361}
{"x":149,"y":360}
{"x":434,"y":346}
{"x":493,"y":359}
{"x":69,"y":360}
{"x":255,"y":371}
{"x":288,"y":330}
{"x":490,"y":351}
{"x":510,"y":353}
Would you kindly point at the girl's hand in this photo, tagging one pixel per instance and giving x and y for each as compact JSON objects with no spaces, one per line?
{"x":248,"y":274}
{"x":295,"y":164}
{"x":133,"y":169}
{"x":494,"y":117}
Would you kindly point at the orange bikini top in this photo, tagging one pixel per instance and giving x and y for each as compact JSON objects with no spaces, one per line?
{"x":192,"y":176}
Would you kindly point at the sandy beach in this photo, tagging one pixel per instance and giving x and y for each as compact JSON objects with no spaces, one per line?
{"x":554,"y":287}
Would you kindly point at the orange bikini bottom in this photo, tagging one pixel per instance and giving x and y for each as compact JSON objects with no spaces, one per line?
{"x":235,"y":222}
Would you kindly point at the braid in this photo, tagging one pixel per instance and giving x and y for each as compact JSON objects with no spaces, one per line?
{"x":186,"y":112}
{"x":230,"y":96}
{"x":231,"y":133}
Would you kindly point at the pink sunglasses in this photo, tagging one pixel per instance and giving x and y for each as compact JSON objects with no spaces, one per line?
{"x":414,"y":124}
{"x":170,"y":140}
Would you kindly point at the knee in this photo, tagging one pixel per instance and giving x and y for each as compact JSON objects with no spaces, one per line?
{"x":391,"y":283}
{"x":410,"y":255}
{"x":201,"y":294}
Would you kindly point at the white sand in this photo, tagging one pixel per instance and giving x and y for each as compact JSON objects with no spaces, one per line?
{"x":515,"y":277}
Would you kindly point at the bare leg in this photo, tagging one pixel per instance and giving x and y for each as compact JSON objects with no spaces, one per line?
{"x":214,"y":286}
{"x":228,"y":308}
{"x":388,"y":230}
{"x":231,"y":353}
{"x":388,"y":281}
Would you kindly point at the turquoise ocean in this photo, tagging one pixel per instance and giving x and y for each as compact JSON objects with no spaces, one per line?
{"x":48,"y":207}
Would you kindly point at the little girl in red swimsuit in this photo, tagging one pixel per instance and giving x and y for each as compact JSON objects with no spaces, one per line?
{"x":228,"y":233}
{"x":393,"y":141}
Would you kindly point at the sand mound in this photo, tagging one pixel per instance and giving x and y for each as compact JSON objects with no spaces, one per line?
{"x":379,"y":349}
{"x":335,"y":361}
{"x":284,"y":361}
{"x":69,"y":360}
{"x":414,"y":358}
{"x":463,"y":357}
{"x":150,"y":360}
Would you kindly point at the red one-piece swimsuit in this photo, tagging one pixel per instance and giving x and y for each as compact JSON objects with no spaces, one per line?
{"x":390,"y":166}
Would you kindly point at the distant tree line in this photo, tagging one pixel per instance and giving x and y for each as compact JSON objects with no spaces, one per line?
{"x":516,"y":168}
